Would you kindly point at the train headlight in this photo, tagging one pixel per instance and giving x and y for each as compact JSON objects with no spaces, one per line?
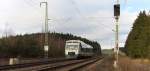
{"x":46,"y":48}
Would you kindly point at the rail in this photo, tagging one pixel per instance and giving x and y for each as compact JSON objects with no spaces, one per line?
{"x":42,"y":62}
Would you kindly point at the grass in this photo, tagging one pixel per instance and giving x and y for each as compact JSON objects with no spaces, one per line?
{"x":128,"y":64}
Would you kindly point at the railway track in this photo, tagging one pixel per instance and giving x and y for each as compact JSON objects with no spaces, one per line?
{"x":24,"y":65}
{"x":53,"y":65}
{"x":72,"y":66}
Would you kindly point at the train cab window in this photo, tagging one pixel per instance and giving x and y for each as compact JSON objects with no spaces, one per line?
{"x":72,"y":46}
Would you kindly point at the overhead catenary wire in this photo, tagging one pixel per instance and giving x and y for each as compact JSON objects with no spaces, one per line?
{"x":87,"y":18}
{"x":80,"y":13}
{"x":76,"y":8}
{"x":35,"y":5}
{"x":32,"y":4}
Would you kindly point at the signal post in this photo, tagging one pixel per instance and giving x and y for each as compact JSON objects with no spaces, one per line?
{"x":116,"y":48}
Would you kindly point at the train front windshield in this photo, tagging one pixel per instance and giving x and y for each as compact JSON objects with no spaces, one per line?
{"x":72,"y":45}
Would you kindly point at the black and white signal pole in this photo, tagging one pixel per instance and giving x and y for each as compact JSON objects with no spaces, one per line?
{"x":116,"y":48}
{"x":46,"y":46}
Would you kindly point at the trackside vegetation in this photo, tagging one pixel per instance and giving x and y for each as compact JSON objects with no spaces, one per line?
{"x":31,"y":45}
{"x":138,"y":41}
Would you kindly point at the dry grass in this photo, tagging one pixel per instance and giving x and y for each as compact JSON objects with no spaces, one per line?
{"x":128,"y":64}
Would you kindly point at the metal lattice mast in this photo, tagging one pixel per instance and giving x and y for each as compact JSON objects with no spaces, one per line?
{"x":46,"y":46}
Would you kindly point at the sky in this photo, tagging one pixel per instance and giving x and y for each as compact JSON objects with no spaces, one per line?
{"x":91,"y":19}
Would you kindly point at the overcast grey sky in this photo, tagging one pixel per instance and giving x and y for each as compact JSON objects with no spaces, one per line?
{"x":92,"y":19}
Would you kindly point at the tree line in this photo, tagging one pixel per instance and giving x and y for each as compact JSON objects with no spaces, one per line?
{"x":138,"y":41}
{"x":31,"y":45}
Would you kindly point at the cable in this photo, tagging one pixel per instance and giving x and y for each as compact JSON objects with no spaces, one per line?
{"x":87,"y":18}
{"x":77,"y":9}
{"x":32,"y":4}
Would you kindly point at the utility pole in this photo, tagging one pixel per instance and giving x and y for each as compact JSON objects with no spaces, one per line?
{"x":46,"y":46}
{"x":116,"y":48}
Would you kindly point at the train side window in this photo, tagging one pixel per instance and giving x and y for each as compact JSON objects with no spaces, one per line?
{"x":80,"y":46}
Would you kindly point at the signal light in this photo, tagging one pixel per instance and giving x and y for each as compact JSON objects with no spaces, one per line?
{"x":117,"y":10}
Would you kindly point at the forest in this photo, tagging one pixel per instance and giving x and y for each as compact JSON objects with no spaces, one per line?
{"x":31,"y":45}
{"x":138,"y":41}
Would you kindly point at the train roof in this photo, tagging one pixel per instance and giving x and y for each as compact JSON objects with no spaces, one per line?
{"x":79,"y":41}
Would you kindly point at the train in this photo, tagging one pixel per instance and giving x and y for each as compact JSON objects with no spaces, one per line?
{"x":78,"y":49}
